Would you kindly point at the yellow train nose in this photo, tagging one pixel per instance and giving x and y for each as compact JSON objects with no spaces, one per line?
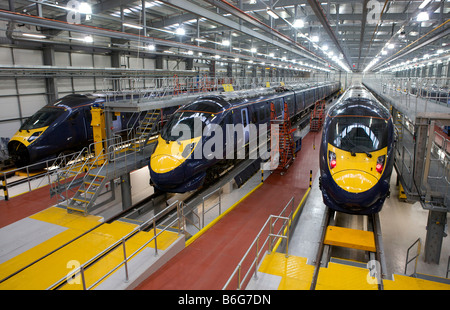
{"x":355,"y":181}
{"x":164,"y":163}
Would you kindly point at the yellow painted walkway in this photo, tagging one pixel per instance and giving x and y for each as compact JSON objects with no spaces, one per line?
{"x":59,"y":264}
{"x":296,"y":274}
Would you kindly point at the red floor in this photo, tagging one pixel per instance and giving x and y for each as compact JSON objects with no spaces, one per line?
{"x":210,"y":260}
{"x":24,"y":205}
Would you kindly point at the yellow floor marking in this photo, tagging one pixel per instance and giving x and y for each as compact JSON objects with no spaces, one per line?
{"x":77,"y":224}
{"x":409,"y":283}
{"x":295,"y":273}
{"x":60,"y":216}
{"x":350,"y":238}
{"x":344,"y":277}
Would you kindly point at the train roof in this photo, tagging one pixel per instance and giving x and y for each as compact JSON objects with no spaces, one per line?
{"x":359,"y":101}
{"x":75,"y":100}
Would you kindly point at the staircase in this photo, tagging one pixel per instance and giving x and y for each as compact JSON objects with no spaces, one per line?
{"x":93,"y":183}
{"x":147,"y":127}
{"x":317,"y":116}
{"x":78,"y":185}
{"x":285,"y":138}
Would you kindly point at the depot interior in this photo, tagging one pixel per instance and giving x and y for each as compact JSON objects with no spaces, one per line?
{"x":181,"y":49}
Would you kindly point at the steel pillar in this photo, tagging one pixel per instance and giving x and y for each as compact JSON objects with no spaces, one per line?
{"x":437,"y":221}
{"x":125,"y":189}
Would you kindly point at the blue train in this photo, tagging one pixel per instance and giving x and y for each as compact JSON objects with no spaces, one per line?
{"x":356,"y":153}
{"x":173,"y":166}
{"x":61,"y":127}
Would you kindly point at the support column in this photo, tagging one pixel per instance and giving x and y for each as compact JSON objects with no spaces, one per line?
{"x":125,"y":189}
{"x":50,"y":82}
{"x":435,"y":235}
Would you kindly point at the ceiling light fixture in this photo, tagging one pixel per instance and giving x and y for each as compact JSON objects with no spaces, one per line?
{"x":422,"y":16}
{"x":180,"y":31}
{"x":133,"y":26}
{"x":88,"y":39}
{"x":298,"y":23}
{"x":272,"y":13}
{"x":32,"y":35}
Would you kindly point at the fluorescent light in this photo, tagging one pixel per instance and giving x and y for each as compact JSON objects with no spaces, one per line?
{"x":424,"y":4}
{"x":391,"y":46}
{"x":88,"y":39}
{"x":422,"y":16}
{"x":226,"y":42}
{"x":298,"y":23}
{"x":190,"y":52}
{"x":180,"y":31}
{"x":200,"y":40}
{"x":217,"y":56}
{"x":325,"y":47}
{"x":440,"y":51}
{"x":253,"y":50}
{"x":383,"y":52}
{"x":133,"y":26}
{"x":151,"y":47}
{"x":32,"y":35}
{"x":236,"y":59}
{"x":315,"y":38}
{"x":85,"y":8}
{"x":271,"y":13}
{"x":168,"y":52}
{"x":272,"y":55}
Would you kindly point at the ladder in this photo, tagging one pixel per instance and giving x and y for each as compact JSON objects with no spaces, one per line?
{"x":285,"y":138}
{"x":317,"y":116}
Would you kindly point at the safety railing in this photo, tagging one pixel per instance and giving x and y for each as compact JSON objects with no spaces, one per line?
{"x":274,"y":229}
{"x":429,"y":89}
{"x":415,"y":258}
{"x":74,"y":276}
{"x":135,"y":90}
{"x":35,"y":175}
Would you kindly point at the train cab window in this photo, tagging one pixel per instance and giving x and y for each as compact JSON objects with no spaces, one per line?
{"x":358,"y":134}
{"x":192,"y":119}
{"x":42,"y":118}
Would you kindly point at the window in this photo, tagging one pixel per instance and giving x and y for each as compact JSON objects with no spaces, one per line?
{"x":358,"y":134}
{"x":42,"y":118}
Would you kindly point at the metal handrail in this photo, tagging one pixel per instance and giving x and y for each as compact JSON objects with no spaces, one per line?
{"x":416,"y":257}
{"x":80,"y":270}
{"x":448,"y":267}
{"x":283,"y":233}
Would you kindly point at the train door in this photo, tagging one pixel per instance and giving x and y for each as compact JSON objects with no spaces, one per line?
{"x":244,"y":121}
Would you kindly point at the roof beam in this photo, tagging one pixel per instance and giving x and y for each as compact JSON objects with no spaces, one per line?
{"x":275,"y":38}
{"x":317,"y":8}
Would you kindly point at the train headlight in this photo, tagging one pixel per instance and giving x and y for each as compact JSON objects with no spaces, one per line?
{"x":380,"y":163}
{"x":332,"y":158}
{"x":34,"y":136}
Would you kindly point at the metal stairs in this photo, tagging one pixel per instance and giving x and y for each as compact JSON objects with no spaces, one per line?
{"x":84,"y":199}
{"x":285,"y":138}
{"x":317,"y":116}
{"x":149,"y":126}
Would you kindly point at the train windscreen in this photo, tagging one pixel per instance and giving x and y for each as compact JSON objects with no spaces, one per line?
{"x":42,"y":118}
{"x":185,"y":125}
{"x":358,"y":134}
